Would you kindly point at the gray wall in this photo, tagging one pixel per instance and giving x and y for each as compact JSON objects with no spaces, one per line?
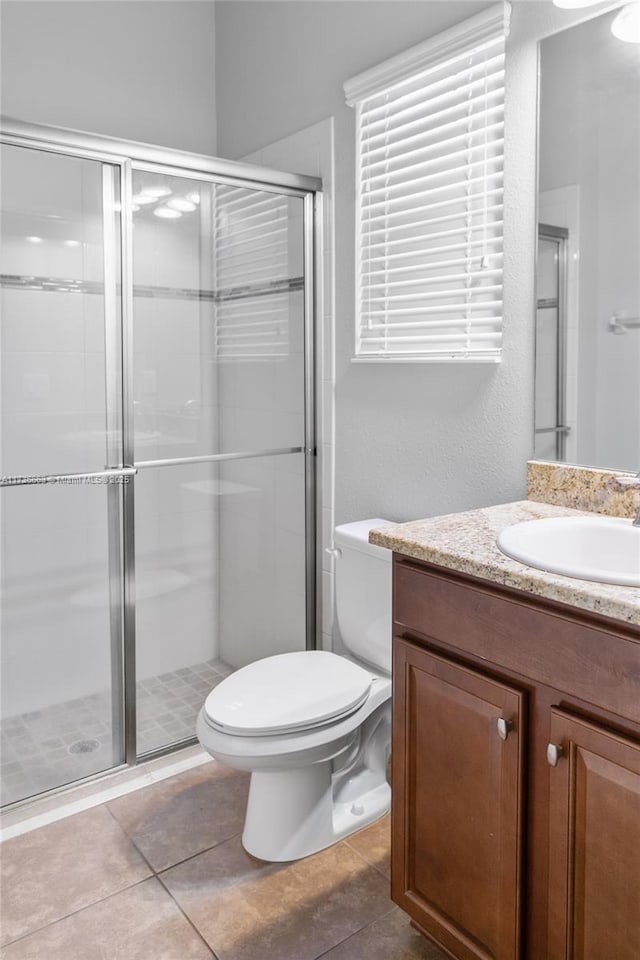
{"x":411,"y":439}
{"x":138,"y":70}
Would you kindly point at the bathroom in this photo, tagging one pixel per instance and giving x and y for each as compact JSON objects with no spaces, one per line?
{"x":246,"y":465}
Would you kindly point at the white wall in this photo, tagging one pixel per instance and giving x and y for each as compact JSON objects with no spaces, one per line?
{"x":135,"y":70}
{"x":411,"y":440}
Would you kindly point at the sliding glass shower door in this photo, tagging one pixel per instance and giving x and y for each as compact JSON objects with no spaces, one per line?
{"x":61,"y":449}
{"x":157,"y":511}
{"x":219,"y":428}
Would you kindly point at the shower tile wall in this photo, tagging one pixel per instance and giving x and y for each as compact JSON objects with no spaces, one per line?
{"x":262,"y":578}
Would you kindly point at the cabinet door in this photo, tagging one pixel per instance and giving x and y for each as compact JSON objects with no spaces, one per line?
{"x":457,"y":799}
{"x":594,"y":834}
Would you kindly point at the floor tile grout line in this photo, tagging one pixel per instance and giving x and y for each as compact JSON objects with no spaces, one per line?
{"x":192,"y":856}
{"x":127,"y":837}
{"x":357,"y":932}
{"x":214,"y":955}
{"x":159,"y":870}
{"x":385,"y":913}
{"x":368,"y":862}
{"x":154,"y":875}
{"x":73,"y":913}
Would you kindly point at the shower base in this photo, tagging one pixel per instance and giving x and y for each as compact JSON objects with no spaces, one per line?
{"x":68,"y":741}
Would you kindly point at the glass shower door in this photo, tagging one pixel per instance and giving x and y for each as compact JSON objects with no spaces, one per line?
{"x":61,"y":491}
{"x":219,"y":414}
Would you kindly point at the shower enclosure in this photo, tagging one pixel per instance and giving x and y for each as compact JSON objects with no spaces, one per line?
{"x":158,"y":456}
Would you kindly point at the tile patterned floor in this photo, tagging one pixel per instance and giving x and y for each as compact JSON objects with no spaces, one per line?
{"x":37,"y":749}
{"x":160,"y":874}
{"x":168,"y":704}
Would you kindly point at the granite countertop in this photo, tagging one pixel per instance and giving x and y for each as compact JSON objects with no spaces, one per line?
{"x":466,"y":542}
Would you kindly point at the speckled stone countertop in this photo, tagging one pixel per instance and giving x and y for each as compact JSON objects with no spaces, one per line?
{"x":466,"y":542}
{"x":582,"y":488}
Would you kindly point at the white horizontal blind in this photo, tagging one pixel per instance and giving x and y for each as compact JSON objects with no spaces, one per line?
{"x":429,"y":209}
{"x":252,"y":241}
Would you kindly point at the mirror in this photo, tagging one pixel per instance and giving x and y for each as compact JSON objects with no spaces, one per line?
{"x":587,"y":403}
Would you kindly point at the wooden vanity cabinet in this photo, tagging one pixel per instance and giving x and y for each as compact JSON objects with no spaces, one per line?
{"x":458,"y":803}
{"x":516,"y":772}
{"x":594,"y":842}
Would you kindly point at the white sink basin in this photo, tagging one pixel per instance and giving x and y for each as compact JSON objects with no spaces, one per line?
{"x":605,"y":549}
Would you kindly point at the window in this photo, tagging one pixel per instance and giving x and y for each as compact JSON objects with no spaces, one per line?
{"x":429,"y":197}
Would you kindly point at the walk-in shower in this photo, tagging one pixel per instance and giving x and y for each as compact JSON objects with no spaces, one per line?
{"x":158,"y":452}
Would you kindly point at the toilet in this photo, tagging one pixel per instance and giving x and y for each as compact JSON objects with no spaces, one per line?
{"x":314,"y":728}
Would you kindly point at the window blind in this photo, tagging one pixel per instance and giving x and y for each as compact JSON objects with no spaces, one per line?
{"x":430,"y":150}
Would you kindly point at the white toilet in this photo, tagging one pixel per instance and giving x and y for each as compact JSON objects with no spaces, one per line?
{"x":314,"y":728}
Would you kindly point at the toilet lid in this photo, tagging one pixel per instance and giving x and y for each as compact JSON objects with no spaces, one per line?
{"x":288,"y":692}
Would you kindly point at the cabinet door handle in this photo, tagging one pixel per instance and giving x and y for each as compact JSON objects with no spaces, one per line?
{"x":554,"y":752}
{"x":504,"y":727}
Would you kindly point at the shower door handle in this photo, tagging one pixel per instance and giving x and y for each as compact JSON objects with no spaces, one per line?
{"x":110,"y":473}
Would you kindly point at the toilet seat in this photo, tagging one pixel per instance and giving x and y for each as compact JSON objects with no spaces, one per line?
{"x":287,"y":693}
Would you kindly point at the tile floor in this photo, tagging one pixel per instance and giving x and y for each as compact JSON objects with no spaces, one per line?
{"x":160,"y":874}
{"x":37,"y":749}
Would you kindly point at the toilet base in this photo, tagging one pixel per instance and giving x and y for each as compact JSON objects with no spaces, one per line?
{"x":309,"y":790}
{"x":293,"y":813}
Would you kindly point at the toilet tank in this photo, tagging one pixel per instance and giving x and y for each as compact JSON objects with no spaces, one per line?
{"x":363,"y":593}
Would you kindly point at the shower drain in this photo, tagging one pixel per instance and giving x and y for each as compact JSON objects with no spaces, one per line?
{"x":83,"y":746}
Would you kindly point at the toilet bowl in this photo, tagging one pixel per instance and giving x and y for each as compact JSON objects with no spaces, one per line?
{"x":313,"y":728}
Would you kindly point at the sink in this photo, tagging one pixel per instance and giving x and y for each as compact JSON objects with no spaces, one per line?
{"x":605,"y":549}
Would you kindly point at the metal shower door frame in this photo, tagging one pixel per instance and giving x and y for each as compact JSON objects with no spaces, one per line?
{"x":128,"y":156}
{"x":560,"y":237}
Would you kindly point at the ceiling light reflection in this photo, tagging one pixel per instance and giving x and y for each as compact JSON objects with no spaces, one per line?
{"x":167,"y":213}
{"x":182,"y":204}
{"x":156,"y":192}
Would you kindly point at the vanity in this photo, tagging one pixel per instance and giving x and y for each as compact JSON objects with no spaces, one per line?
{"x":516,"y":747}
